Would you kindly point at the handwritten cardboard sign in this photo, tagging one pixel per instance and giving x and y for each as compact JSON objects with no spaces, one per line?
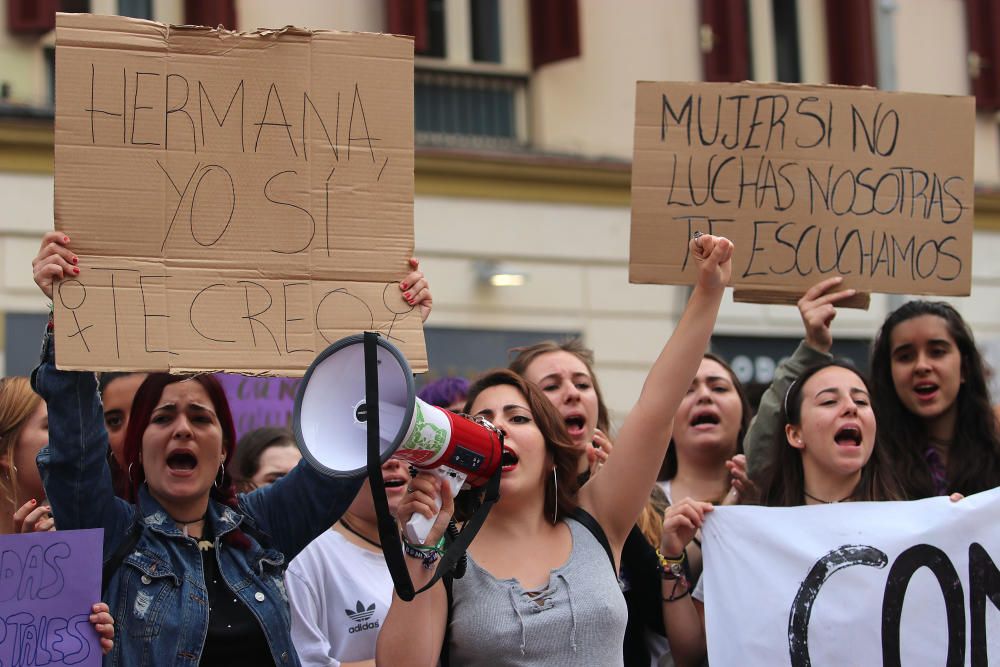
{"x":237,"y":201}
{"x":48,"y":584}
{"x":809,"y":182}
{"x":891,"y":583}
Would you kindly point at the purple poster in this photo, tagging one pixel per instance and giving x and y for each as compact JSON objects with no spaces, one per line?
{"x":259,"y":401}
{"x":48,"y":584}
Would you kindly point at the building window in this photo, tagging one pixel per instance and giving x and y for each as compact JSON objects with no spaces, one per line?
{"x":75,"y":6}
{"x":472,"y":65}
{"x":454,"y":108}
{"x":436,"y":46}
{"x":469,"y":352}
{"x":814,"y":41}
{"x":786,"y":40}
{"x":49,"y":54}
{"x":484,"y":28}
{"x":137,"y":9}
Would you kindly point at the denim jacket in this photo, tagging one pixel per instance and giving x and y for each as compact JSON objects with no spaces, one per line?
{"x":158,"y":596}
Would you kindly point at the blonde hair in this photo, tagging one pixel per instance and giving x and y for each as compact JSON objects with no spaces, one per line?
{"x":650,"y":521}
{"x":17,"y":403}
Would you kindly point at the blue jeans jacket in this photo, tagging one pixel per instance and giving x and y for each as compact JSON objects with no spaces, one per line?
{"x":158,"y":595}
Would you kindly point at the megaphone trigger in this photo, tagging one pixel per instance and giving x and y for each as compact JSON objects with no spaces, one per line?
{"x":419,"y":525}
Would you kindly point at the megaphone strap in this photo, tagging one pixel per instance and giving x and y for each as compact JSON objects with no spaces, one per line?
{"x":387,"y":528}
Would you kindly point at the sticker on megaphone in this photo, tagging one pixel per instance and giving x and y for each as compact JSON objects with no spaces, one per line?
{"x":331,"y":414}
{"x":456,"y":448}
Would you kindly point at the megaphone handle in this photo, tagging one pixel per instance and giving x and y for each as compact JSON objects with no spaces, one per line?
{"x":419,"y":525}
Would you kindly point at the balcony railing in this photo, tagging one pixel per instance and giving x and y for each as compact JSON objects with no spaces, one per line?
{"x":470,"y":109}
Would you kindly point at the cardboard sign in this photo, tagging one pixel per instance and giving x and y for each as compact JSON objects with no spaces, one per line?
{"x":809,"y":182}
{"x":237,"y":201}
{"x":911,"y":583}
{"x":48,"y":584}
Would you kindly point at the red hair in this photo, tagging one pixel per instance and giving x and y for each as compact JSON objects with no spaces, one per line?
{"x":146,"y":399}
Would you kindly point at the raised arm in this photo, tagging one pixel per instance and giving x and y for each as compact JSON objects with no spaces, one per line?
{"x":817,"y":309}
{"x":316,"y":500}
{"x":74,"y":466}
{"x":616,"y":496}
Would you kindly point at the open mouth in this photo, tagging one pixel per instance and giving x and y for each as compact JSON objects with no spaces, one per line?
{"x":394,"y":483}
{"x":848,"y":436}
{"x":508,"y":461}
{"x":182,"y":461}
{"x":705,"y":419}
{"x":925,"y":390}
{"x":575,"y":424}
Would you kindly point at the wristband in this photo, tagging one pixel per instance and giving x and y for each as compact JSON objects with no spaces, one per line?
{"x":672,"y":567}
{"x":428,"y":554}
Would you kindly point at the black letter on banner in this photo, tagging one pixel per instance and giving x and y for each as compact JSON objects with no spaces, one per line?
{"x":984,"y":582}
{"x":678,"y":118}
{"x":798,"y":617}
{"x":92,"y":109}
{"x":908,"y":562}
{"x":194,"y":197}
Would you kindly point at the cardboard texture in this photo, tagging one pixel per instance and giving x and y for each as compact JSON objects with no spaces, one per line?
{"x":238,"y":201}
{"x":808,"y":182}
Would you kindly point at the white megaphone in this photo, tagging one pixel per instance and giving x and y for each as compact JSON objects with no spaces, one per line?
{"x":330,"y":424}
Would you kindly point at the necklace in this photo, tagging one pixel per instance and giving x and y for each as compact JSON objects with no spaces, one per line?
{"x":352,"y":531}
{"x":184,"y":524}
{"x":825,"y":502}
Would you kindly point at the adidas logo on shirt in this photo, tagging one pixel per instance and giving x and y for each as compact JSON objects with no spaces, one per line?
{"x":360,"y":615}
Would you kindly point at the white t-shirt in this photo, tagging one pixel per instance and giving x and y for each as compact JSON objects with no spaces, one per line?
{"x":340,"y":594}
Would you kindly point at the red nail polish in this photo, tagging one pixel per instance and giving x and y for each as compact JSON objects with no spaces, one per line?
{"x":76,"y":270}
{"x":406,"y":295}
{"x":65,"y":239}
{"x":404,"y":285}
{"x":76,"y":260}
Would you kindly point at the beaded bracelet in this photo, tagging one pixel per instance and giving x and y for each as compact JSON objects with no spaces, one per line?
{"x":428,"y":554}
{"x":671,"y":568}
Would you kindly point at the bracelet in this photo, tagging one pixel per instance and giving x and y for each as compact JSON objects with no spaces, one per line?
{"x":425,"y":548}
{"x":674,"y":596}
{"x":673,"y":567}
{"x":428,"y":554}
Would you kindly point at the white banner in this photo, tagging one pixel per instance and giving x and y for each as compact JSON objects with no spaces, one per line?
{"x":914,"y":583}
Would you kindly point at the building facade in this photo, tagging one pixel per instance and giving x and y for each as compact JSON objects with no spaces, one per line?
{"x":524,"y":123}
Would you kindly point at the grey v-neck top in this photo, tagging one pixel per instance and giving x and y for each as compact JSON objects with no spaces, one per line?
{"x":577,"y":619}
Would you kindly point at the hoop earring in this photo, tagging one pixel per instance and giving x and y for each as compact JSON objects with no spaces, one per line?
{"x":220,"y":478}
{"x":555,"y":500}
{"x":129,"y":473}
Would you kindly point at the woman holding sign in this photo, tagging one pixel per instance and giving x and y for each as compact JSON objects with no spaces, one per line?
{"x":539,"y":587}
{"x":927,"y":382}
{"x":195,"y":572}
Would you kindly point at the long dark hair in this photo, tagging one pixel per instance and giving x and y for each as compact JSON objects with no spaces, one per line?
{"x":669,"y":468}
{"x":974,"y":452}
{"x":782,"y":484}
{"x":146,"y":398}
{"x":558,"y":444}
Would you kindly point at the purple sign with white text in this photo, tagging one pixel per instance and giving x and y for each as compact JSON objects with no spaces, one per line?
{"x":259,"y":401}
{"x":48,"y":584}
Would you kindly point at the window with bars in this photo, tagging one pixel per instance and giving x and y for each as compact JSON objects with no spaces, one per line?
{"x":469,"y":109}
{"x":472,"y":74}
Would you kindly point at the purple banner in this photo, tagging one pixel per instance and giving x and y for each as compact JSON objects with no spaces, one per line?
{"x":48,"y":584}
{"x":259,"y":401}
